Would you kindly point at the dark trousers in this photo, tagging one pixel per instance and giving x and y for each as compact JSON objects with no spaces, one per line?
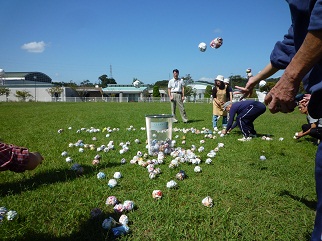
{"x":246,"y":118}
{"x":314,"y":132}
{"x":317,"y":231}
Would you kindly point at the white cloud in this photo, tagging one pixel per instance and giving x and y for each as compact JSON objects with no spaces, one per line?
{"x":34,"y":47}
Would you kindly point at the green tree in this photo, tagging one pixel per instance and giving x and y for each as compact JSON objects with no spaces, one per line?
{"x":188,"y":80}
{"x":156,"y":91}
{"x":188,"y":91}
{"x":55,"y":91}
{"x":5,"y":91}
{"x":208,"y":91}
{"x":23,"y":95}
{"x":106,"y":81}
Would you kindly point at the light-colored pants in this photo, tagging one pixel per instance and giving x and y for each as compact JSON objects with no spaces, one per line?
{"x":177,"y":99}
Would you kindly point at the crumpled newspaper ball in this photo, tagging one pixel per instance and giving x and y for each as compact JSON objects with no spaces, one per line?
{"x":157,"y":194}
{"x":121,"y":230}
{"x":112,"y":183}
{"x":108,"y":223}
{"x":111,"y":200}
{"x":207,"y":201}
{"x":64,"y":153}
{"x":124,"y":220}
{"x":202,"y":46}
{"x":95,"y":212}
{"x":119,"y":208}
{"x":181,"y":175}
{"x":117,"y":175}
{"x":128,"y":205}
{"x":69,"y":159}
{"x":208,"y":161}
{"x":262,"y":158}
{"x":3,"y":211}
{"x":101,"y":175}
{"x":11,"y":215}
{"x":216,"y":43}
{"x":171,"y":184}
{"x":197,"y":169}
{"x":262,"y":83}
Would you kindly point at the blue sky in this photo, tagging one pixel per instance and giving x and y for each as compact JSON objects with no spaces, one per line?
{"x":79,"y":40}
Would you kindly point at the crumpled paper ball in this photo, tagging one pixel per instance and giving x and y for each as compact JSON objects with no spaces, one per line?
{"x":112,"y":183}
{"x":171,"y":184}
{"x":128,"y":205}
{"x":77,"y":168}
{"x":95,"y":212}
{"x":64,"y":153}
{"x":111,"y":200}
{"x":121,"y":230}
{"x":208,"y":161}
{"x":207,"y":201}
{"x":262,"y":158}
{"x":216,"y":43}
{"x":119,"y":208}
{"x":11,"y":215}
{"x":124,"y":220}
{"x":181,"y":175}
{"x":96,"y":162}
{"x":117,"y":175}
{"x":101,"y":175}
{"x":69,"y":159}
{"x":108,"y":223}
{"x":157,"y":194}
{"x":197,"y":169}
{"x":202,"y":46}
{"x":3,"y":211}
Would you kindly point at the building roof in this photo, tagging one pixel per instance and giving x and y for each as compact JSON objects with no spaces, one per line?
{"x":28,"y":76}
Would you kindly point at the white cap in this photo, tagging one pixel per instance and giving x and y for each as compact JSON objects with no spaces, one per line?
{"x":226,"y":81}
{"x":220,"y":77}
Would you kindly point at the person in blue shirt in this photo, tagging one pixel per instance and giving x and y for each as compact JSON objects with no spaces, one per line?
{"x":246,"y":113}
{"x":300,"y":54}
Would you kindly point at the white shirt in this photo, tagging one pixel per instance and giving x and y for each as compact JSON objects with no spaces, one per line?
{"x":175,"y":85}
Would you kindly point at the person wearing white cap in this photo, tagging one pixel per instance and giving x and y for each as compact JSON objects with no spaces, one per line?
{"x":220,"y":95}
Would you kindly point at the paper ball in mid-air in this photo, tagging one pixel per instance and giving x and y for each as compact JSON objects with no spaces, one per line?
{"x":137,"y":84}
{"x":202,"y":47}
{"x":262,"y":83}
{"x":216,"y":43}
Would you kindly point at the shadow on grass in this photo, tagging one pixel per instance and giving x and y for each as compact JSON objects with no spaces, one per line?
{"x":309,"y":203}
{"x":89,"y":230}
{"x":48,"y":177}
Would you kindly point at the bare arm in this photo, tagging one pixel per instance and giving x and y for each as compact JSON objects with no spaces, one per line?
{"x":268,"y":71}
{"x":281,"y":96}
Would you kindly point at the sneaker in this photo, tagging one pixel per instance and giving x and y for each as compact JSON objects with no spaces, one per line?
{"x":245,"y":138}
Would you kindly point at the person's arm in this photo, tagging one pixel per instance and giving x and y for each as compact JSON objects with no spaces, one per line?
{"x":182,"y":93}
{"x":268,"y":71}
{"x":281,"y":96}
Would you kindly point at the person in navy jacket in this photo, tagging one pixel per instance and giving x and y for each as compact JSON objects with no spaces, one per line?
{"x":246,"y":112}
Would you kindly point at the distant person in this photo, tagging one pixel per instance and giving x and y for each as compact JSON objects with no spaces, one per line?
{"x":176,"y":94}
{"x":220,"y":95}
{"x":313,"y":126}
{"x":18,"y":159}
{"x":228,"y":87}
{"x":246,"y":113}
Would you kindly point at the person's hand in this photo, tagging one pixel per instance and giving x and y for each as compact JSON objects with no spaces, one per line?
{"x":35,"y":159}
{"x":281,"y":97}
{"x":248,"y":89}
{"x":299,"y":135}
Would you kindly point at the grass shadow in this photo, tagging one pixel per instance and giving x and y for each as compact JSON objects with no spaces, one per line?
{"x":47,"y":177}
{"x":309,"y":203}
{"x":89,"y":230}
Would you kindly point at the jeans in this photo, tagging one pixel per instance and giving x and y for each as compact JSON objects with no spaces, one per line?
{"x":215,"y":121}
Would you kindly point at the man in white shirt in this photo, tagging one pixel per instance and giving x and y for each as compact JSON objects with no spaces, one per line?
{"x":176,"y":94}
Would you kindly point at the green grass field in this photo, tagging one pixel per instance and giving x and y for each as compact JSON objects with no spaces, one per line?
{"x":253,"y":199}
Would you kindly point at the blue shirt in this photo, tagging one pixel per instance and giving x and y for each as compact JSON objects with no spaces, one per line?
{"x":306,"y":16}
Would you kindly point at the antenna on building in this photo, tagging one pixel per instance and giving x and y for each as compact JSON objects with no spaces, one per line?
{"x":111,"y":75}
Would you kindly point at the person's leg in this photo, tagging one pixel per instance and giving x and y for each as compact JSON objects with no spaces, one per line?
{"x":214,"y":121}
{"x":182,"y":109}
{"x":173,"y":109}
{"x":224,"y":122}
{"x":317,"y":231}
{"x":315,"y":104}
